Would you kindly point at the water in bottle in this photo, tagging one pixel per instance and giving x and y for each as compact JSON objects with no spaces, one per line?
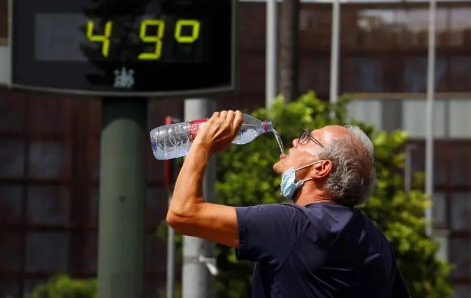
{"x":174,"y":140}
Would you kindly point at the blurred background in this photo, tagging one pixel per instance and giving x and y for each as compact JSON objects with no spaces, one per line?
{"x":50,"y":144}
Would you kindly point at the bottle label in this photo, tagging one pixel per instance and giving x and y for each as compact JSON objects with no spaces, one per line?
{"x":195,"y":126}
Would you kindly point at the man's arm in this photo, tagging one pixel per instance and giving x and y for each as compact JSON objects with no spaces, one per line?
{"x":263,"y":232}
{"x":188,"y":212}
{"x":260,"y":232}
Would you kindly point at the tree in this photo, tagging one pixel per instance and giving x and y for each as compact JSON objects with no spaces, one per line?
{"x":289,"y":49}
{"x":246,"y":178}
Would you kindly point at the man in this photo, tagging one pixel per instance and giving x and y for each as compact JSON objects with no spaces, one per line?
{"x":317,"y":247}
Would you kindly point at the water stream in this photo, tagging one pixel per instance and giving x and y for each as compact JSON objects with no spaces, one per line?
{"x":280,"y":142}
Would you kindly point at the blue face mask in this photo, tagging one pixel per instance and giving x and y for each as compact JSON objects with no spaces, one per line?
{"x":288,"y":186}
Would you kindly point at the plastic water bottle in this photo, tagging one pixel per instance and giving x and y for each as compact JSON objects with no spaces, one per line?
{"x":174,"y":140}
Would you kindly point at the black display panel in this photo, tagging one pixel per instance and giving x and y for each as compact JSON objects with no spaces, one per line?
{"x":124,"y":47}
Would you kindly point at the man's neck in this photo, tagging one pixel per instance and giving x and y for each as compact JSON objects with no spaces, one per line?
{"x":311,"y":195}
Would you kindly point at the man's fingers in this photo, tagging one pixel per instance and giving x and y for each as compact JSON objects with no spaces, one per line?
{"x":223,"y":115}
{"x":230,"y":118}
{"x":223,"y":127}
{"x":238,"y":119}
{"x":215,"y":116}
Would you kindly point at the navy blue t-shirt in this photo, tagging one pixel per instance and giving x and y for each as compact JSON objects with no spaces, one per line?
{"x":322,"y":250}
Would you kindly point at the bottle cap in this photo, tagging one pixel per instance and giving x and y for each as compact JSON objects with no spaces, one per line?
{"x":268,"y":126}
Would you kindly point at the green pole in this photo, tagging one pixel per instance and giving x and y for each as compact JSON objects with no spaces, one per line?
{"x":121,"y":235}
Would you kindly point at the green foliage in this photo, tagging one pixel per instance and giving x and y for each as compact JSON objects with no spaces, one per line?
{"x":62,"y":286}
{"x":245,"y":178}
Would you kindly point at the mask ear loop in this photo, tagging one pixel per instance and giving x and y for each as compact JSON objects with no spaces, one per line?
{"x":308,"y":165}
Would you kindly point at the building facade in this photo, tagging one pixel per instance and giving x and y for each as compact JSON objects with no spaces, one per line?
{"x":49,"y":153}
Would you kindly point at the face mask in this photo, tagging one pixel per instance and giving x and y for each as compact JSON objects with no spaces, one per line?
{"x":288,"y":186}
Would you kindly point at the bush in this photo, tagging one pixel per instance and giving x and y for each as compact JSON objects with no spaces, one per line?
{"x":62,"y":286}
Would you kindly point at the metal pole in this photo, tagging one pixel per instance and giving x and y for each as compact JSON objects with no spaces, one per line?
{"x":271,"y":52}
{"x":407,"y":171}
{"x":198,"y":254}
{"x":171,"y":247}
{"x":429,"y":139}
{"x":334,"y":51}
{"x":170,"y":174}
{"x":408,"y":168}
{"x":121,"y":233}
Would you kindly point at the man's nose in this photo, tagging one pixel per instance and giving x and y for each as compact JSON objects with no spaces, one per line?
{"x":295,"y":142}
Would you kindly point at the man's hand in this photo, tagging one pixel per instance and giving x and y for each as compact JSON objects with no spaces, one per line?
{"x":188,"y":213}
{"x":218,"y":133}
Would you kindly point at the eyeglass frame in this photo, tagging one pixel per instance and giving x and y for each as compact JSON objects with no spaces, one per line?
{"x":306,"y":135}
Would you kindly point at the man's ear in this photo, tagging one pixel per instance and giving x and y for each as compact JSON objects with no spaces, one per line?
{"x":322,"y":169}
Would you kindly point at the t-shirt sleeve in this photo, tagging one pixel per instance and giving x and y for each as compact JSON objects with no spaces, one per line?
{"x":268,"y":232}
{"x":400,"y":286}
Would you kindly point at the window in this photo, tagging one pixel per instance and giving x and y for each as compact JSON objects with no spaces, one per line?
{"x":47,"y":252}
{"x":49,"y":160}
{"x":461,"y":291}
{"x":414,"y":74}
{"x":4,"y":61}
{"x":460,"y":210}
{"x":368,"y":111}
{"x":460,"y":257}
{"x":362,"y":74}
{"x":12,"y":159}
{"x":413,"y":120}
{"x":48,"y":205}
{"x":10,"y":252}
{"x":459,"y":112}
{"x":439,"y":210}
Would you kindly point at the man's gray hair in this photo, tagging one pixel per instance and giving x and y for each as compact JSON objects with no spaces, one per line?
{"x":353,"y":176}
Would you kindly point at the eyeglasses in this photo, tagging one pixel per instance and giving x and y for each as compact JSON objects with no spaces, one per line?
{"x":306,"y":137}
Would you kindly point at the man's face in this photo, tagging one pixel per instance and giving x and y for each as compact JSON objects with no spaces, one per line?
{"x":306,"y":148}
{"x":304,"y":151}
